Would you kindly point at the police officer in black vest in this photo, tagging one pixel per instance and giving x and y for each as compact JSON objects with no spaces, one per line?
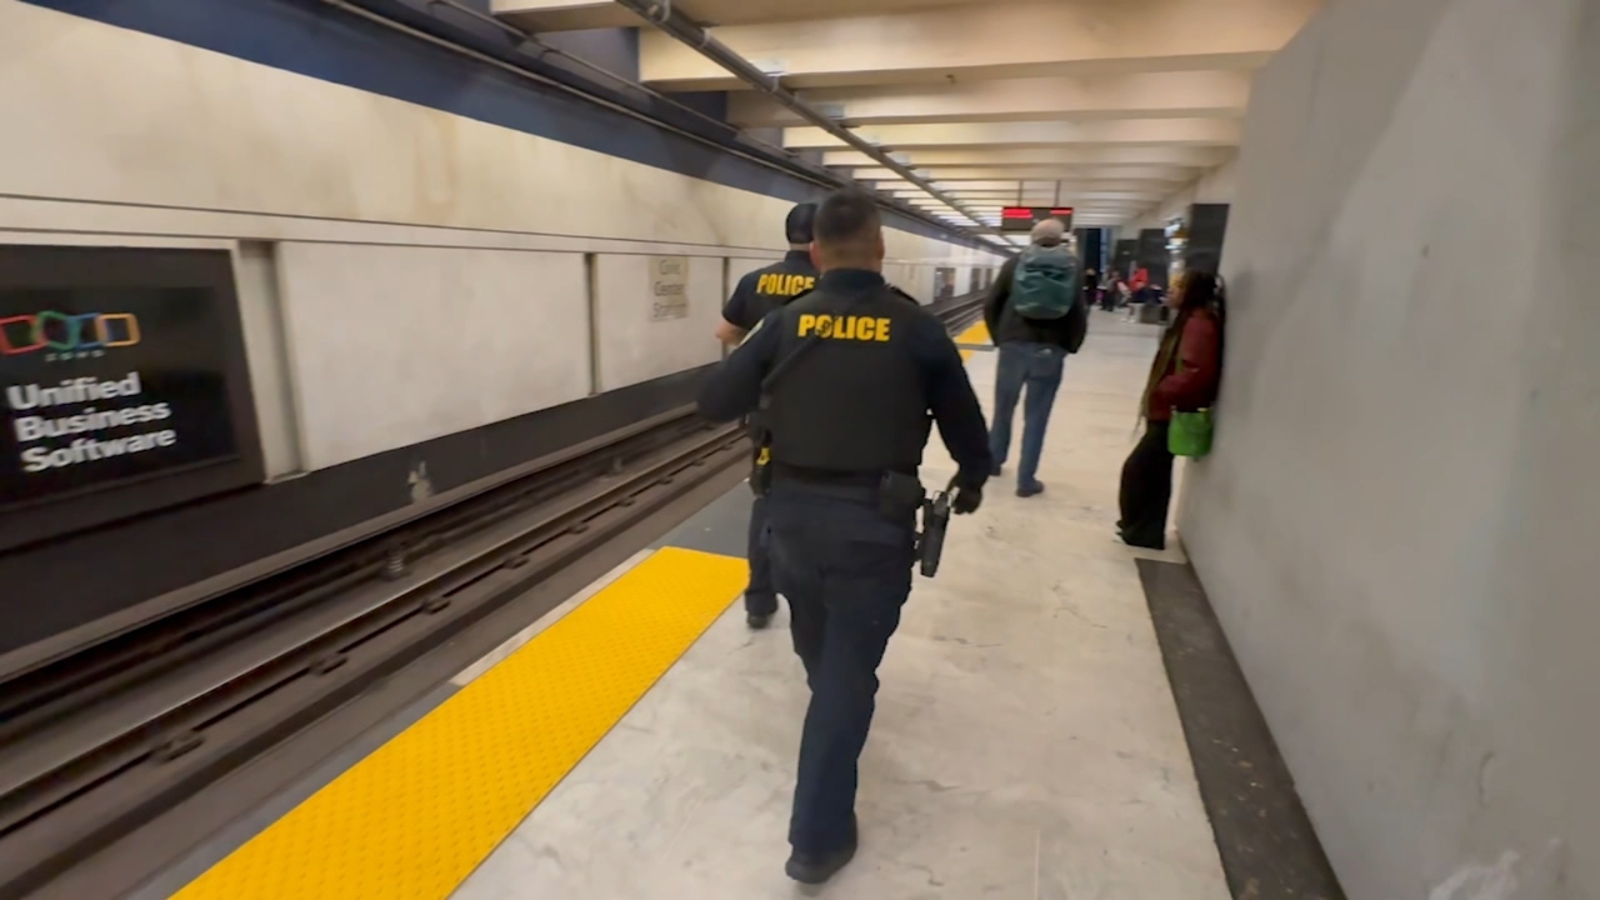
{"x":850,"y":379}
{"x":758,"y":294}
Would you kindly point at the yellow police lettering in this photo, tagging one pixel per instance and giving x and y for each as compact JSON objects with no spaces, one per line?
{"x":844,"y":328}
{"x":780,"y":285}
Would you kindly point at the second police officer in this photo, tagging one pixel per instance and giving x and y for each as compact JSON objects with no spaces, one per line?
{"x":849,"y":380}
{"x":756,"y":295}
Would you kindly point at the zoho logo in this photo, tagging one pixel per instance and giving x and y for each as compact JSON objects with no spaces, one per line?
{"x":62,"y":335}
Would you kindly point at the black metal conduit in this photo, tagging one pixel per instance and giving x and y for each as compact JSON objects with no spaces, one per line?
{"x":448,"y":24}
{"x":668,"y":18}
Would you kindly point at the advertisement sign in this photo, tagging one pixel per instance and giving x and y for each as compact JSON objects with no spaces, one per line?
{"x":669,"y":288}
{"x":119,"y":366}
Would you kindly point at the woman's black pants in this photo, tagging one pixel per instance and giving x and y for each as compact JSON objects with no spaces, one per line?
{"x":1147,"y":490}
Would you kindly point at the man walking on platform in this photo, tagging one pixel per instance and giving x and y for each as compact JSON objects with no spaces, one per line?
{"x":758,"y":294}
{"x":1036,"y":318}
{"x":849,"y":379}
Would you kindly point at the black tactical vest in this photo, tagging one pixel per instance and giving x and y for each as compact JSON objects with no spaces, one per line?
{"x":856,"y":402}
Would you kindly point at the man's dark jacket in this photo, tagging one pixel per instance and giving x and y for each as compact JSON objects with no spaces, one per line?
{"x":1005,"y":326}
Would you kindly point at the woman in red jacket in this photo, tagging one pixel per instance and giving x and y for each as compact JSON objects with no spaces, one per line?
{"x":1185,"y":376}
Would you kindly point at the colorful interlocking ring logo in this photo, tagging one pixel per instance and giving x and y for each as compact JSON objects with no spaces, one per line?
{"x":67,"y":335}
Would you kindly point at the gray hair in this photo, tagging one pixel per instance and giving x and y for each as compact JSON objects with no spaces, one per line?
{"x":1049,"y":232}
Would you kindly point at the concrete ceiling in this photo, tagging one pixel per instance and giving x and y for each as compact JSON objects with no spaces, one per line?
{"x":1109,"y":106}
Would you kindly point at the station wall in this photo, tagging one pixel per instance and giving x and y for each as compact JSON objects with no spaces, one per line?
{"x":413,"y":259}
{"x":1397,"y":527}
{"x":1216,"y":185}
{"x":393,"y":345}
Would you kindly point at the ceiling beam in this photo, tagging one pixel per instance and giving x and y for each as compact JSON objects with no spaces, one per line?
{"x":1154,"y":95}
{"x":1024,"y":157}
{"x":1173,"y":174}
{"x":1088,"y":173}
{"x":563,"y":15}
{"x":1182,"y":132}
{"x":1087,"y":204}
{"x":1016,"y":39}
{"x":991,"y":209}
{"x":1064,"y":188}
{"x":576,"y":15}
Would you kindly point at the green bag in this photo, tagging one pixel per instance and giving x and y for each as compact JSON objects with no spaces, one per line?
{"x":1190,"y":434}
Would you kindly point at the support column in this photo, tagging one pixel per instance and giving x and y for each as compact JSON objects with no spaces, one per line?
{"x":1127,"y":251}
{"x":1153,"y":255}
{"x":1208,"y":224}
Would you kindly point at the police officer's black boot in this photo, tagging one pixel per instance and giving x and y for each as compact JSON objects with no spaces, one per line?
{"x":759,"y":610}
{"x":810,"y":868}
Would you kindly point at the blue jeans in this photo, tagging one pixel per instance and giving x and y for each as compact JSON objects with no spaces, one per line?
{"x":1039,"y":366}
{"x":845,"y":569}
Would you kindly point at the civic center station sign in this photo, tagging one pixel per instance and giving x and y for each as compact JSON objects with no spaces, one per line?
{"x":118,"y":367}
{"x":669,"y":288}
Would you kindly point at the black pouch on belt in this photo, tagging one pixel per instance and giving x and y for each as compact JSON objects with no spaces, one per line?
{"x":761,"y":471}
{"x":900,"y":496}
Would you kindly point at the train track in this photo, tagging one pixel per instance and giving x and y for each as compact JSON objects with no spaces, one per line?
{"x":98,"y":742}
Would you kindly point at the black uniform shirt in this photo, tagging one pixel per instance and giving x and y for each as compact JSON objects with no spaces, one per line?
{"x":769,"y":288}
{"x":734,"y":388}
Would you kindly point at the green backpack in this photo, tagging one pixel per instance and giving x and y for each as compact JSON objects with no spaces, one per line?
{"x":1045,"y":286}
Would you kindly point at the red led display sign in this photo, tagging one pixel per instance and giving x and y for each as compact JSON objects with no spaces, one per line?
{"x":1023,"y":218}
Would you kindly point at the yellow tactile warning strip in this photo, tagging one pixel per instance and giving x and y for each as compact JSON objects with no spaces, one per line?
{"x":414,"y":819}
{"x":976,"y":335}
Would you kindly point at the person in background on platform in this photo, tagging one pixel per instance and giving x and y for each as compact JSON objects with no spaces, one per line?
{"x":1036,"y":319}
{"x":1139,"y":283}
{"x":758,"y":294}
{"x":1185,"y":376}
{"x":1091,"y":289}
{"x":850,"y":379}
{"x":1115,"y":293}
{"x":1140,"y":291}
{"x":1124,"y":295}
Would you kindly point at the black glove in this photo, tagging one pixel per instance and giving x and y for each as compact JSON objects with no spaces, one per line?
{"x":967,"y":498}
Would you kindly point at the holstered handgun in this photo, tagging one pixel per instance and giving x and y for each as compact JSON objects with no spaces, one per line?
{"x":761,"y":471}
{"x":930,"y":542}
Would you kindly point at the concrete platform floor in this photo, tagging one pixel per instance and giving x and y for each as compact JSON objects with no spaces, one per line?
{"x":1026,"y":743}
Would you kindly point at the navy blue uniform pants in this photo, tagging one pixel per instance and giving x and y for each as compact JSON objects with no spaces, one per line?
{"x":846,"y":570}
